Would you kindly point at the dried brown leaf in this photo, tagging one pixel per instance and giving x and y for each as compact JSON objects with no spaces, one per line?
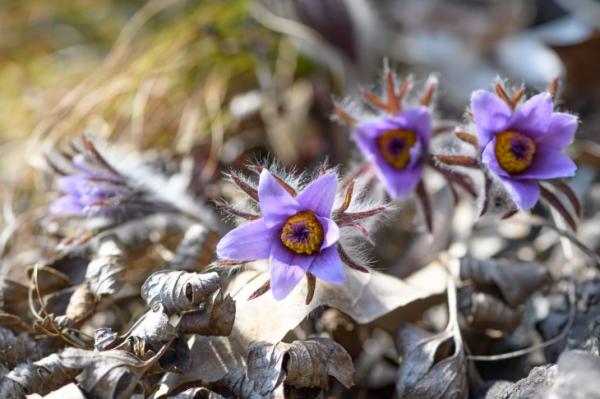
{"x":197,"y":393}
{"x":366,"y":297}
{"x":196,"y":249}
{"x":109,"y":374}
{"x":153,"y":329}
{"x":515,"y":280}
{"x":13,"y":297}
{"x":179,"y":291}
{"x":301,"y":364}
{"x":81,"y":304}
{"x":16,"y":349}
{"x":105,"y":338}
{"x":42,"y":376}
{"x":216,"y":319}
{"x":484,"y":311}
{"x":105,"y":271}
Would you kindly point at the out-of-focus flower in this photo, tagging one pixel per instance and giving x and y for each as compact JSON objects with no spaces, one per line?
{"x":94,"y":188}
{"x":523,"y":144}
{"x":297,"y":230}
{"x":395,"y":141}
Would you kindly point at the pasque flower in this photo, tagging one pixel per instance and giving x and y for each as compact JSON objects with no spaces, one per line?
{"x":523,"y":144}
{"x":93,"y":187}
{"x":298,"y":232}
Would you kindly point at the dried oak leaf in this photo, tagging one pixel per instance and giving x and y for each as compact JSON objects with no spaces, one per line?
{"x":153,"y":328}
{"x":301,"y":364}
{"x":515,"y":280}
{"x":484,"y":311}
{"x":108,"y":374}
{"x":70,"y":391}
{"x":105,"y":338}
{"x":216,"y":318}
{"x":366,"y":297}
{"x":196,"y":249}
{"x":179,"y":291}
{"x":106,"y":270}
{"x":578,"y":376}
{"x":42,"y":376}
{"x":432,"y":366}
{"x":16,"y":349}
{"x":13,"y":297}
{"x":197,"y":393}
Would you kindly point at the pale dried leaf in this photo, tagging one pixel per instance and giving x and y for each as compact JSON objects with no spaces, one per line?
{"x":70,"y":391}
{"x":42,"y":376}
{"x":105,"y":338}
{"x":179,"y":291}
{"x":196,"y":249}
{"x":215,"y":319}
{"x":105,"y":271}
{"x":109,"y":374}
{"x":515,"y":280}
{"x":153,"y":329}
{"x":197,"y":393}
{"x":365,"y":297}
{"x":81,"y":304}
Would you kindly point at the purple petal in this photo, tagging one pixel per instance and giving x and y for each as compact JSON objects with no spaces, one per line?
{"x":398,"y":183}
{"x":488,"y":157}
{"x":491,"y":115}
{"x":319,"y":195}
{"x":276,"y":204}
{"x":329,"y":267}
{"x":561,"y":130}
{"x":534,"y":115}
{"x":525,"y":193}
{"x":252,"y":240}
{"x":419,"y":121}
{"x":549,"y":163}
{"x":287,"y":269}
{"x":66,"y":205}
{"x":331,"y":230}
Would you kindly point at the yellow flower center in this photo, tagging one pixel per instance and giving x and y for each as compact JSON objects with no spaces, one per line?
{"x":395,"y":146}
{"x":514,"y":151}
{"x":303,"y":233}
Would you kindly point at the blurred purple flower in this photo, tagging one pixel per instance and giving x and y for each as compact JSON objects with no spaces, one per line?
{"x":523,"y":146}
{"x":397,"y":146}
{"x":93,"y":188}
{"x":297,"y":234}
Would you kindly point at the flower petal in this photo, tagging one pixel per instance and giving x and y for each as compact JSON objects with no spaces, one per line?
{"x":561,"y":130}
{"x":286,"y":269}
{"x":398,"y":183}
{"x":329,"y":267}
{"x":252,"y":240}
{"x":418,"y":120}
{"x":534,"y":115}
{"x":319,"y":195}
{"x":66,"y":205}
{"x":525,"y":193}
{"x":488,"y":157}
{"x":331,"y":230}
{"x":491,"y":114}
{"x":276,"y":204}
{"x":549,"y":163}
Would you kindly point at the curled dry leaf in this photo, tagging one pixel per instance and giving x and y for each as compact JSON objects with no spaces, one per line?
{"x":484,"y":311}
{"x":515,"y":280}
{"x":215,"y":319}
{"x":105,"y":338}
{"x":109,"y":374}
{"x":153,"y":329}
{"x":197,"y":393}
{"x":42,"y":376}
{"x":81,"y":304}
{"x":20,"y":348}
{"x":433,"y":365}
{"x":301,"y":364}
{"x":196,"y":249}
{"x":70,"y":391}
{"x":105,"y":271}
{"x":12,"y":294}
{"x":179,"y":291}
{"x":366,"y":297}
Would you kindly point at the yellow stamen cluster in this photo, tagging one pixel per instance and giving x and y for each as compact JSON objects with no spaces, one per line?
{"x":395,"y":146}
{"x":514,"y":151}
{"x":303,"y":233}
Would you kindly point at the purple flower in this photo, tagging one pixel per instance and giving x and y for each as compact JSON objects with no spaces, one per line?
{"x":523,"y":146}
{"x":297,"y":234}
{"x":297,"y":229}
{"x":92,"y":187}
{"x":397,"y":146}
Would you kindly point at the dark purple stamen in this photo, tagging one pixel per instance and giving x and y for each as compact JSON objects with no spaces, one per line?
{"x":520,"y":149}
{"x":300,"y":233}
{"x":396,"y":146}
